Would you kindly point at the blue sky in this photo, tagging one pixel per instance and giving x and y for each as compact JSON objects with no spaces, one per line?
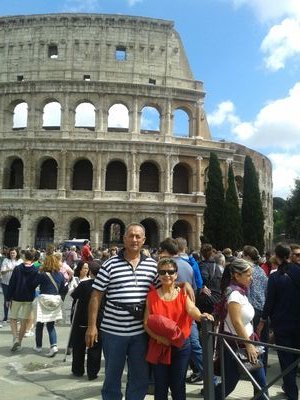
{"x":247,"y":53}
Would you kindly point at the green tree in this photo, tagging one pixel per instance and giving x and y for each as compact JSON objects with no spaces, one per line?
{"x":292,"y":213}
{"x":279,"y":216}
{"x":214,"y":211}
{"x":252,"y":211}
{"x":233,"y":236}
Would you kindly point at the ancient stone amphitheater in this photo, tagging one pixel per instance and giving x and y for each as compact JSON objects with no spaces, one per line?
{"x":102,"y":124}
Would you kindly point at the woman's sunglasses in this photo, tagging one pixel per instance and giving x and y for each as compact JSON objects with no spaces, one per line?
{"x":166,"y":271}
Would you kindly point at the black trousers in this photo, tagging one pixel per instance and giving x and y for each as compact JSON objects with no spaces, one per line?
{"x":79,"y":350}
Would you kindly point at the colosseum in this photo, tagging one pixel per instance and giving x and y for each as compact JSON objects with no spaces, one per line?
{"x":102,"y":123}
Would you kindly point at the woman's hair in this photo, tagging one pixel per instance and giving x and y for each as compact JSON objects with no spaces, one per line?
{"x":167,"y":261}
{"x":58,"y":255}
{"x":251,"y":252}
{"x":79,"y":268}
{"x":50,"y":264}
{"x":238,"y":266}
{"x":13,"y":249}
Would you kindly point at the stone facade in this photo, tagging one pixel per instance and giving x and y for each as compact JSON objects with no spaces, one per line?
{"x":78,"y":157}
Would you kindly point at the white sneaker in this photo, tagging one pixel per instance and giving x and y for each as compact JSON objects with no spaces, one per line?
{"x":52,"y":352}
{"x":37,"y":349}
{"x":29,"y":334}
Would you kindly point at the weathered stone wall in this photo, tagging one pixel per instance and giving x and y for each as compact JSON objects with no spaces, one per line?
{"x":86,"y":69}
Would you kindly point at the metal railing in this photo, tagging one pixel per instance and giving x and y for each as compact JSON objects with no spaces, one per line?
{"x":209,"y":338}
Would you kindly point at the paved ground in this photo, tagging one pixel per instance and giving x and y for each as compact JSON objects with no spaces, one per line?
{"x":27,"y":375}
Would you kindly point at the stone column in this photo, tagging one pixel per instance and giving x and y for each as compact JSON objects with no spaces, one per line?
{"x":198,"y":188}
{"x":25,"y":232}
{"x":134,"y":117}
{"x":97,"y":176}
{"x":99,"y":121}
{"x":167,"y":124}
{"x":62,"y":175}
{"x":133,"y":175}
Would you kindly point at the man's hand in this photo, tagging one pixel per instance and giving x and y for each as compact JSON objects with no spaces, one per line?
{"x":91,"y":336}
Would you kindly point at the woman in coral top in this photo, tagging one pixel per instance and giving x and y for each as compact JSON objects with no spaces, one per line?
{"x":168,"y":317}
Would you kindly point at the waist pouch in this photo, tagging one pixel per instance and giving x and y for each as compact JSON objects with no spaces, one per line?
{"x":135,"y":309}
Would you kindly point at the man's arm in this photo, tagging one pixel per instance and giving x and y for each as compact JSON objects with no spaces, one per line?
{"x":91,"y":335}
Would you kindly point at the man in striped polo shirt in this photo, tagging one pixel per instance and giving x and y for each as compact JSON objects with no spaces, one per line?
{"x":125,"y":278}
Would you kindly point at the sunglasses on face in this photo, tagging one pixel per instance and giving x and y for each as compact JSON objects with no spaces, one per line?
{"x":296,"y":254}
{"x":166,"y":271}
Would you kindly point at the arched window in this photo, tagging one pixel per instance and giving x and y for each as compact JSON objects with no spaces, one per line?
{"x":80,"y":229}
{"x":151,"y":232}
{"x":183,"y":229}
{"x":149,"y":177}
{"x":85,"y":116}
{"x":150,"y":120}
{"x":44,"y":233}
{"x":52,"y":116}
{"x":116,"y":176}
{"x":48,"y":174}
{"x":82,"y":175}
{"x":113,"y":232}
{"x":11,"y":232}
{"x":181,"y":179}
{"x":14,"y":175}
{"x":239,"y":181}
{"x":118,"y":118}
{"x":180,"y":123}
{"x":20,"y":116}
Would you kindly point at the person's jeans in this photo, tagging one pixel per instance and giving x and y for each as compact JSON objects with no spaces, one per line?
{"x":51,"y":332}
{"x":173,"y":376}
{"x":264,"y":336}
{"x":5,"y":308}
{"x":117,"y":350}
{"x":288,"y":338}
{"x":233,"y":375}
{"x":196,"y":350}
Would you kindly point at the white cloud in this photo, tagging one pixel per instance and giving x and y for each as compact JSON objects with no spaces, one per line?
{"x":225,"y":113}
{"x":281,"y":43}
{"x":81,"y":5}
{"x":133,"y":2}
{"x":286,"y":168}
{"x":276,"y":126}
{"x":271,"y":10}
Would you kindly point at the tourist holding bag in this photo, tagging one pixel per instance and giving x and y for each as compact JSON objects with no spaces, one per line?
{"x":48,"y":303}
{"x":238,"y":322}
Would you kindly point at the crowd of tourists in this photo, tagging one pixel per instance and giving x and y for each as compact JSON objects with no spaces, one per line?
{"x":144,"y":307}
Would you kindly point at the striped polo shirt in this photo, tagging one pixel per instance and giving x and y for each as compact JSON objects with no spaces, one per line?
{"x":124,"y":284}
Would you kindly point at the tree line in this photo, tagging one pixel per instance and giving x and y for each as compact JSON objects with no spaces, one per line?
{"x":226,"y":224}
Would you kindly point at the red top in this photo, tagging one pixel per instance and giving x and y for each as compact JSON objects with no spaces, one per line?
{"x":174,"y":309}
{"x":85,"y":253}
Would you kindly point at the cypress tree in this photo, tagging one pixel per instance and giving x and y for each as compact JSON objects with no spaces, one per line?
{"x":252,"y":211}
{"x":233,"y":236}
{"x":214,"y":211}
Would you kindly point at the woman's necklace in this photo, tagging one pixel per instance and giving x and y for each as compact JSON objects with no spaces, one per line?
{"x":170,"y":295}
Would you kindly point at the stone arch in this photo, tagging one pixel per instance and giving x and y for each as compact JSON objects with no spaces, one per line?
{"x":182,"y":228}
{"x":85,"y":115}
{"x":13,"y":174}
{"x":82,"y":178}
{"x":151,"y":232}
{"x":20,"y":116}
{"x":116,"y":176}
{"x":44,"y":233}
{"x":182,"y":177}
{"x":80,"y":229}
{"x":52,"y":115}
{"x":149,"y":177}
{"x":113,"y":232}
{"x":118,"y":118}
{"x":181,"y":122}
{"x":150,"y":119}
{"x":11,"y":232}
{"x":48,"y":174}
